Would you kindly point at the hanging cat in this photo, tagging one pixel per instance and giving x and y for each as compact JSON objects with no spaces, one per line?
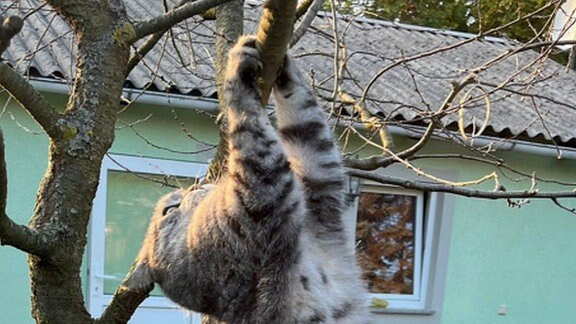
{"x":266,"y":244}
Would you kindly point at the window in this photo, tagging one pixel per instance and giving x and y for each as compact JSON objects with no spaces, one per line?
{"x":392,"y":238}
{"x":128,"y":190}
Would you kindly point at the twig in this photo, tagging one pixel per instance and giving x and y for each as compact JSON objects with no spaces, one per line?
{"x":435,"y":187}
{"x":568,"y":209}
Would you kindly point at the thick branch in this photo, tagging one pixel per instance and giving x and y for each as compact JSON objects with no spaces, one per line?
{"x":229,"y":27}
{"x":303,"y":7}
{"x":274,"y":32}
{"x":273,"y":36}
{"x":18,"y":236}
{"x":473,"y":193}
{"x":9,"y":27}
{"x":169,"y":19}
{"x":38,"y":107}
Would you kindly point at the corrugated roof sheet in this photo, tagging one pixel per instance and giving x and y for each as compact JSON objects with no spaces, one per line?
{"x":535,"y":102}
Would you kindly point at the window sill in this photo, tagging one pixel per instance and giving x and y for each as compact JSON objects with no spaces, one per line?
{"x":402,"y":311}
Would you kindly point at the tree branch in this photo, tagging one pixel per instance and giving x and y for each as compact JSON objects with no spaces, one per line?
{"x":379,"y":161}
{"x":273,"y":36}
{"x":123,"y":305}
{"x":310,"y":9}
{"x":229,"y":27}
{"x":153,"y":40}
{"x":18,"y":236}
{"x":18,"y":87}
{"x":169,"y":19}
{"x":36,"y":105}
{"x":473,"y":193}
{"x":9,"y":27}
{"x":561,"y":206}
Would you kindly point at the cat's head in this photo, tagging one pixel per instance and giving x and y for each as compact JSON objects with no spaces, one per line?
{"x":180,"y":202}
{"x":171,"y":214}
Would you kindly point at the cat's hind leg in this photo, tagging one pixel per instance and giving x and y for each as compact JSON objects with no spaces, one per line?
{"x":311,"y":150}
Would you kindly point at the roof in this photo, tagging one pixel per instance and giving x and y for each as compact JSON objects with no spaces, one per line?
{"x":533,"y":101}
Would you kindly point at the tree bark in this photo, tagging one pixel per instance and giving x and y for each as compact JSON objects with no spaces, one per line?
{"x":86,"y":131}
{"x":229,"y":26}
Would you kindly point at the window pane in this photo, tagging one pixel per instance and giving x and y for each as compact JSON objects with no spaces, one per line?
{"x":385,"y":240}
{"x":129,"y":203}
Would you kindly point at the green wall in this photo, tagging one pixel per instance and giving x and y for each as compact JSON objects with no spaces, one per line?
{"x":26,"y":158}
{"x":522,"y":258}
{"x":26,"y":149}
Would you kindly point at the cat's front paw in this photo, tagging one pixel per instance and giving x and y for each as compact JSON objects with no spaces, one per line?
{"x":244,"y":61}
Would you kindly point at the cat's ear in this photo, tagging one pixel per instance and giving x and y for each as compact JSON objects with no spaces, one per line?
{"x":140,"y":276}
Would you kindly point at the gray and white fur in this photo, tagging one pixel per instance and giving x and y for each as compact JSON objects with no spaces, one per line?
{"x":266,"y":244}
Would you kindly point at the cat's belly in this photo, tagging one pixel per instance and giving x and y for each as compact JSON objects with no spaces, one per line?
{"x":325,"y":287}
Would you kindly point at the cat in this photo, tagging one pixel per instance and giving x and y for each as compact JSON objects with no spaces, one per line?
{"x":266,"y":244}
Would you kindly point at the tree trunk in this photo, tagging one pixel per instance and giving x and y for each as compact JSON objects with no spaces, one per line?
{"x":86,"y":129}
{"x":229,"y":26}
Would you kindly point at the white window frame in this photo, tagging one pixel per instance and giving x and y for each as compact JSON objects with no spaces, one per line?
{"x":425,"y":222}
{"x":142,"y":165}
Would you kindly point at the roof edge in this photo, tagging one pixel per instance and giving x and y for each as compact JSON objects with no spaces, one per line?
{"x":387,"y":23}
{"x":502,"y":145}
{"x":211,"y":106}
{"x":174,"y":100}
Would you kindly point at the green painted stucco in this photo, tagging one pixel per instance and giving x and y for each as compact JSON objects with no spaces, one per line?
{"x":26,"y":158}
{"x":522,"y":258}
{"x":26,"y":149}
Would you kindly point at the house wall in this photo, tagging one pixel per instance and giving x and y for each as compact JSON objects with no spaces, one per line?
{"x":522,"y":258}
{"x":26,"y":150}
{"x":493,"y":255}
{"x":26,"y":159}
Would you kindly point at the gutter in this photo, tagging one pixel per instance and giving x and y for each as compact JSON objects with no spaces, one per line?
{"x":173,"y":100}
{"x":557,"y":152}
{"x":211,"y":106}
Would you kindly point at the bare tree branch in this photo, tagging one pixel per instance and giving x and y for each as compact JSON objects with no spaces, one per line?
{"x":435,"y":187}
{"x":167,"y":20}
{"x":480,"y":36}
{"x":229,"y":27}
{"x":18,"y":87}
{"x":274,"y":32}
{"x":153,"y":40}
{"x":30,"y":99}
{"x":124,"y":303}
{"x":273,"y":36}
{"x":303,"y":7}
{"x":143,"y":50}
{"x":378,"y":161}
{"x":9,"y":27}
{"x":495,"y":163}
{"x":310,"y":8}
{"x":561,"y":206}
{"x":18,"y":236}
